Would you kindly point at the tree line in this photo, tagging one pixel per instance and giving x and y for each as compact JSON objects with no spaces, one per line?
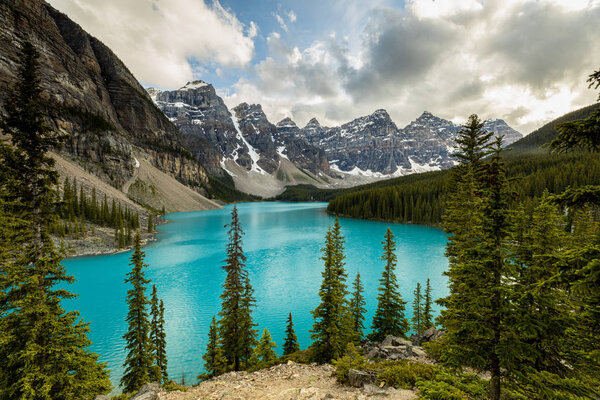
{"x":422,"y":202}
{"x":75,"y":208}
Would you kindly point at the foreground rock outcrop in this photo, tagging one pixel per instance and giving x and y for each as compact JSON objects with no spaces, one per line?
{"x":289,"y":381}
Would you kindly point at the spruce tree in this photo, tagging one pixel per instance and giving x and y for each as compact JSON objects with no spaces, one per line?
{"x":427,"y":307}
{"x":331,"y":330}
{"x":43,"y":348}
{"x":477,"y":213}
{"x":264,"y":349}
{"x":150,"y":223}
{"x":236,"y":329}
{"x":158,"y":338}
{"x":214,"y":361}
{"x":139,"y":360}
{"x":389,"y":317}
{"x":357,"y":308}
{"x":291,"y":341}
{"x":417,"y":318}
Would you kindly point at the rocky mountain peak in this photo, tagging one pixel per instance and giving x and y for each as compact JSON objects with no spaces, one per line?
{"x":287,"y":122}
{"x":194,"y":85}
{"x":313,"y":123}
{"x":153,"y":92}
{"x":381,"y":114}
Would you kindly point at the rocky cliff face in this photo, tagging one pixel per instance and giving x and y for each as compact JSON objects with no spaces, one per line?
{"x":204,"y":121}
{"x":244,"y":136}
{"x":92,"y":97}
{"x":292,"y":145}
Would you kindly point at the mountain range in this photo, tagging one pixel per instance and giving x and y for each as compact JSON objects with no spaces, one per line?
{"x":262,"y":157}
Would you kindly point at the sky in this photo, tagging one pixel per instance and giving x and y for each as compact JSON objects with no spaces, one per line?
{"x":525,"y":61}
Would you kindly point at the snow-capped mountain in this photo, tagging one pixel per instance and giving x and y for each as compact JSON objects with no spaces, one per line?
{"x":373,"y":146}
{"x":243,"y":144}
{"x":253,"y":151}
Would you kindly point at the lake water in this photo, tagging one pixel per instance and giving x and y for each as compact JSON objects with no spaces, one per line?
{"x":282,"y":243}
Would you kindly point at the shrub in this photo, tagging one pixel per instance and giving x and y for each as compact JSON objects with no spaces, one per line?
{"x":434,"y":348}
{"x":172,"y":386}
{"x":352,"y":360}
{"x":406,"y":374}
{"x":440,"y":390}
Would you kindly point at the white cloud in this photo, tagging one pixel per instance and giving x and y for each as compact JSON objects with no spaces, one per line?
{"x":252,"y":30}
{"x":525,"y":61}
{"x":292,"y":16}
{"x":280,"y":21}
{"x":157,"y":39}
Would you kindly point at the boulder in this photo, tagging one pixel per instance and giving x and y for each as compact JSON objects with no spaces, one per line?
{"x":395,"y":341}
{"x":426,"y":336}
{"x":150,"y":391}
{"x":358,"y":378}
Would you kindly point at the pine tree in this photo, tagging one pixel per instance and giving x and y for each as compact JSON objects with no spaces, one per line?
{"x":389,"y":317}
{"x":477,"y":216}
{"x":417,"y":318}
{"x":138,"y":364}
{"x":427,"y":319}
{"x":214,"y":362}
{"x":264,"y":349}
{"x":236,"y":329}
{"x":43,"y":348}
{"x":357,"y":308}
{"x":331,"y":330}
{"x":158,"y":338}
{"x":291,"y":341}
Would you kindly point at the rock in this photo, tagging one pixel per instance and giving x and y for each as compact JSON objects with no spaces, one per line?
{"x":371,"y":390}
{"x":418,"y":351}
{"x":101,"y":397}
{"x":426,"y":336}
{"x":395,"y":341}
{"x":358,"y":378}
{"x":150,"y":391}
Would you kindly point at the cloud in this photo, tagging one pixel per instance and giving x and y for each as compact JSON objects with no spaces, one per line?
{"x":522,"y":60}
{"x":280,"y":21}
{"x":292,"y":16}
{"x":158,"y":40}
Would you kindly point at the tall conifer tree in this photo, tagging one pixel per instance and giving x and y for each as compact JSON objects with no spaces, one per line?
{"x":214,"y":362}
{"x":427,"y":307}
{"x":389,"y":317}
{"x":42,"y":348}
{"x":477,"y":217}
{"x":291,"y":340}
{"x":331,"y":330}
{"x":357,"y":308}
{"x":139,"y":360}
{"x":158,"y":338}
{"x":236,"y":329}
{"x":417,"y":318}
{"x":264,"y":349}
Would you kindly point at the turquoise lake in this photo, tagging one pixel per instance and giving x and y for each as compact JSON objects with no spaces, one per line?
{"x":282,"y":242}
